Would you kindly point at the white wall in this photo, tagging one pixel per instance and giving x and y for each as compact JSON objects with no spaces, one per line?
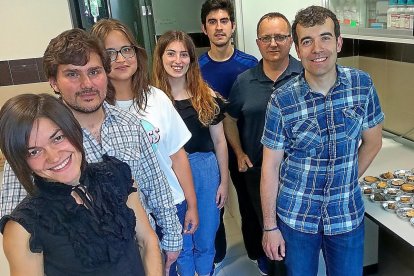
{"x":248,"y":13}
{"x":27,"y":26}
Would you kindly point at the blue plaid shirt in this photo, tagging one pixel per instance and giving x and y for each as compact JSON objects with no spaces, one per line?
{"x":123,"y":137}
{"x":320,"y":136}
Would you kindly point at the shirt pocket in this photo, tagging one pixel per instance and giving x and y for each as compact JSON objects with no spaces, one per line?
{"x":307,"y":139}
{"x":353,"y":121}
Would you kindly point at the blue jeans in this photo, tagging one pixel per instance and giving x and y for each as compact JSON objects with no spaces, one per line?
{"x":343,"y":253}
{"x":181,"y":210}
{"x":198,"y":249}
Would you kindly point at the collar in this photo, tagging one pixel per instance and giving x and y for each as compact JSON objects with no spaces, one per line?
{"x":294,"y":68}
{"x":341,"y":78}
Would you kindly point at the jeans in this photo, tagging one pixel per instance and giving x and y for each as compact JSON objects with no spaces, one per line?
{"x":198,"y":249}
{"x":181,"y":210}
{"x":343,"y":253}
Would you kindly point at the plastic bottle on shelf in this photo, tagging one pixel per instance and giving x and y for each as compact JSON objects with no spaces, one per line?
{"x":391,"y":14}
{"x":354,"y":16}
{"x":401,"y":10}
{"x":409,"y":15}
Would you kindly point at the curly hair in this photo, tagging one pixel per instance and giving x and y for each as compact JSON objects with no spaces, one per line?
{"x":213,"y":5}
{"x":72,"y":47}
{"x":312,"y":16}
{"x":140,"y":79}
{"x":17,"y":117}
{"x":201,"y":97}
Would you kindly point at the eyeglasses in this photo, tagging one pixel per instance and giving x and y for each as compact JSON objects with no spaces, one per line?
{"x":126,"y":52}
{"x":268,"y":38}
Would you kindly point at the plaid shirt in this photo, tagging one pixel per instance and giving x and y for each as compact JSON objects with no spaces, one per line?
{"x":123,"y":137}
{"x":320,"y":136}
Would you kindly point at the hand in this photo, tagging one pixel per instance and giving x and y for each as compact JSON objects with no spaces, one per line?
{"x":222,"y":195}
{"x":274,"y":245}
{"x":244,"y":162}
{"x":190,"y":221}
{"x":170,"y":258}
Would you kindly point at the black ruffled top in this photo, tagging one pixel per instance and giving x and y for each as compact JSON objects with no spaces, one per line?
{"x":95,"y":238}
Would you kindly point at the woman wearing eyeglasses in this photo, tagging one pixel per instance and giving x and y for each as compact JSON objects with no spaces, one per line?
{"x":129,"y":89}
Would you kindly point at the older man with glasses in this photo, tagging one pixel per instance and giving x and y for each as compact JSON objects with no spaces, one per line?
{"x":248,"y":100}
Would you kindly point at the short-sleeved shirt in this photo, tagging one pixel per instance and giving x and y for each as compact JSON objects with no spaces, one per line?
{"x":220,"y":75}
{"x":320,"y":137}
{"x":166,"y":131}
{"x":123,"y":137}
{"x":248,"y":101}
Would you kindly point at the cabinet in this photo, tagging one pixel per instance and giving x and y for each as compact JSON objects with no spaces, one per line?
{"x":390,"y":20}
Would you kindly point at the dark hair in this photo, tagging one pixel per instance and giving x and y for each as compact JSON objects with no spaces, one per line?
{"x":72,"y":47}
{"x":201,"y":98}
{"x":272,"y":15}
{"x":17,"y":117}
{"x":140,"y":79}
{"x":213,"y":5}
{"x":312,"y":16}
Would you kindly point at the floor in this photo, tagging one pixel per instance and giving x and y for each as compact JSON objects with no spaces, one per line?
{"x":236,"y":261}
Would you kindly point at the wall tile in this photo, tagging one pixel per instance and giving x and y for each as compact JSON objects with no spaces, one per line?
{"x":374,"y":49}
{"x":24,"y":71}
{"x":348,"y":48}
{"x":394,"y":51}
{"x":39,"y":62}
{"x":5,"y":76}
{"x":408,"y":53}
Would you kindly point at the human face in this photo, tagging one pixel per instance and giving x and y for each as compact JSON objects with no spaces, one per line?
{"x":274,"y":52}
{"x":51,"y":155}
{"x":176,"y":60}
{"x":83,"y":88}
{"x":122,"y":68}
{"x":318,"y":49}
{"x":219,"y":28}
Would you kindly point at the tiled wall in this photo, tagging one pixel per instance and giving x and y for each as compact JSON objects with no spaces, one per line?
{"x":391,"y":66}
{"x":23,"y":71}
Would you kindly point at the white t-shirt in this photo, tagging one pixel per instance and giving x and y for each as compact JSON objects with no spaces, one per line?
{"x":166,"y":131}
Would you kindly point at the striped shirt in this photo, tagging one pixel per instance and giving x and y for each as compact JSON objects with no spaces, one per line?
{"x":320,"y":136}
{"x":123,"y":137}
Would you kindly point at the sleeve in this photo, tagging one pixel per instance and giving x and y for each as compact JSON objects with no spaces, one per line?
{"x":158,"y":195}
{"x":177,"y":133}
{"x":373,"y":113}
{"x":273,"y":137}
{"x":12,"y":192}
{"x":236,"y":101}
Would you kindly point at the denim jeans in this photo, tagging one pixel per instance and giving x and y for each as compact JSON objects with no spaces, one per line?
{"x":181,"y":210}
{"x":343,"y":253}
{"x":198,"y":249}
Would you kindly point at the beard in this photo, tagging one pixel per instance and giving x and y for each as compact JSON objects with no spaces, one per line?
{"x":79,"y":107}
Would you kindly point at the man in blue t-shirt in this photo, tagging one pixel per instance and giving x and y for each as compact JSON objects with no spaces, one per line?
{"x":220,"y":67}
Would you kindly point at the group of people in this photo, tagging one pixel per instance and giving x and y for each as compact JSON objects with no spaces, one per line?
{"x":123,"y":173}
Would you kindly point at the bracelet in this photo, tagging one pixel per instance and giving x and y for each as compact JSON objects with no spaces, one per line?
{"x":271,"y":229}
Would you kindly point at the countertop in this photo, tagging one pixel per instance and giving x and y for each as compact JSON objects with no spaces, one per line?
{"x":393,"y":156}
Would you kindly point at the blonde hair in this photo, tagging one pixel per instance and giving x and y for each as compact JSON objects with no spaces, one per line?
{"x":140,"y":79}
{"x":201,"y":98}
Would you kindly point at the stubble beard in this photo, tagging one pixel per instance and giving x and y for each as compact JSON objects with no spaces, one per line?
{"x":82,"y":109}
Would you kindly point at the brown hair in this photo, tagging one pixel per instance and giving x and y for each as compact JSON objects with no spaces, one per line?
{"x":17,"y":117}
{"x":312,"y":16}
{"x":72,"y":47}
{"x":140,"y":79}
{"x":201,"y":97}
